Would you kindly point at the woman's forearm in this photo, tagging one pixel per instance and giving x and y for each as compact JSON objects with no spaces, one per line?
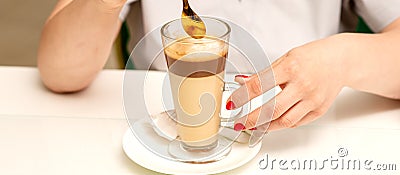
{"x":76,"y":43}
{"x":373,"y":61}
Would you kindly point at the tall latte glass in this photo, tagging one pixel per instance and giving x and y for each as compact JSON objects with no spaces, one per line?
{"x":196,"y":72}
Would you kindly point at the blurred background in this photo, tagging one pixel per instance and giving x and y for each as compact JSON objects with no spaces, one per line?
{"x":21,"y":22}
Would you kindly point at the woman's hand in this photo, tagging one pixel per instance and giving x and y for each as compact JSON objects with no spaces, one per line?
{"x":310,"y":76}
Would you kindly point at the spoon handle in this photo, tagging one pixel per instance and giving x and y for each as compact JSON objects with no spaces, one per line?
{"x":185,"y":4}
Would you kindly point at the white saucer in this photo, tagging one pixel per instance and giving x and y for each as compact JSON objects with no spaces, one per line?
{"x":137,"y":152}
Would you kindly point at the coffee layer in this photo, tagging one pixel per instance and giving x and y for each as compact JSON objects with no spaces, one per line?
{"x":196,"y":69}
{"x":195,"y":58}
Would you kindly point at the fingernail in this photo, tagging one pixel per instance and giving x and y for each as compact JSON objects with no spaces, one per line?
{"x":230,"y":105}
{"x":241,"y":76}
{"x":252,"y":129}
{"x":239,"y":127}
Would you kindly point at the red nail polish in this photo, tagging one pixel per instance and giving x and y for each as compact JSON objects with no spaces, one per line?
{"x":241,"y":76}
{"x":252,"y":129}
{"x":239,"y":127}
{"x":230,"y":105}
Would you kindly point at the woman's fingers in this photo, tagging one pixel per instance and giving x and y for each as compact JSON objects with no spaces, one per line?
{"x":311,"y":116}
{"x":241,"y":79}
{"x":292,"y":117}
{"x":271,"y":110}
{"x":252,"y":87}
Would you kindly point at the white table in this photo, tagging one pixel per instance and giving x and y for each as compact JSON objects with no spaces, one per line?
{"x":46,"y":133}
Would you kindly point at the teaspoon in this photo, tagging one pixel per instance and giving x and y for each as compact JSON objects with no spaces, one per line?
{"x":192,"y":23}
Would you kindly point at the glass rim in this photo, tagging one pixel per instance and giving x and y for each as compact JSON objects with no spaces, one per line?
{"x":228,"y":31}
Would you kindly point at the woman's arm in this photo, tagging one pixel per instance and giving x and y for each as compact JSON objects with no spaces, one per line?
{"x":76,"y":42}
{"x":374,"y":61}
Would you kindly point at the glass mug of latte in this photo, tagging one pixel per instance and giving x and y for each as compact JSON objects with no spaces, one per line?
{"x":196,"y":69}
